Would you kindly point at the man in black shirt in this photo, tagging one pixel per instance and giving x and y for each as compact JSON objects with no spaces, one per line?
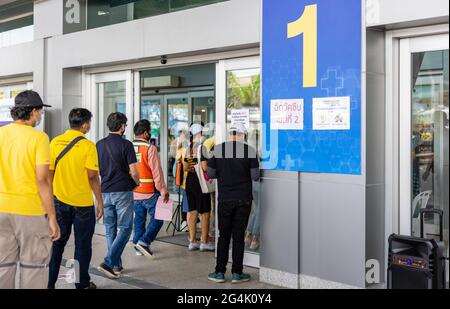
{"x":235,"y":165}
{"x":119,"y":177}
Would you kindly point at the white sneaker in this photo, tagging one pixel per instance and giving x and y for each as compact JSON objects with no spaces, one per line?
{"x":138,"y":253}
{"x":194,"y":246}
{"x":207,"y":247}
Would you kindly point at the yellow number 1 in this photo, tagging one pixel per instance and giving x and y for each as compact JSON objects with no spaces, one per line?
{"x":307,"y":25}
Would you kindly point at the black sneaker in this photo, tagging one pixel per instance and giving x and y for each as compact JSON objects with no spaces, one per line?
{"x":118,"y":270}
{"x":145,"y":250}
{"x":91,"y":286}
{"x":108,"y":271}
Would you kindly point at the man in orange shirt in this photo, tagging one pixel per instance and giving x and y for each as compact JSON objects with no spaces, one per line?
{"x":152,"y":186}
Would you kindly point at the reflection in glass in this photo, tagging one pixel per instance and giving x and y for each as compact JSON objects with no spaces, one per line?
{"x":243,"y":92}
{"x":178,"y":126}
{"x":108,"y":12}
{"x":430,"y":125}
{"x":151,"y":110}
{"x":114,"y":100}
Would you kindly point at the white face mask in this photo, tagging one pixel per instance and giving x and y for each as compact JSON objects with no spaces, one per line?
{"x":39,"y":120}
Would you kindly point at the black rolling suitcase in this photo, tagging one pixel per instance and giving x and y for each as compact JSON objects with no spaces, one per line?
{"x":417,"y":263}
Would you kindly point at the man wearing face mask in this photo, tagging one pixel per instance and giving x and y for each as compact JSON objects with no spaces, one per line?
{"x":28,"y":222}
{"x":120,"y":176}
{"x":74,"y":165}
{"x":147,"y":194}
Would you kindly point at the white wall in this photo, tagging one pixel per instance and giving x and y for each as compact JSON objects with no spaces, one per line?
{"x":48,"y":20}
{"x":18,"y":59}
{"x":391,"y":12}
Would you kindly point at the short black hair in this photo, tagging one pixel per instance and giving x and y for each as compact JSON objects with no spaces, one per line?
{"x":115,"y":121}
{"x":78,"y":117}
{"x":141,"y":127}
{"x":22,"y":113}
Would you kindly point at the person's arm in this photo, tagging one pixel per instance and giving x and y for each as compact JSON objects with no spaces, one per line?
{"x":212,"y":168}
{"x":204,"y":157}
{"x":44,"y":184}
{"x":185,"y":162}
{"x":254,"y":165}
{"x":94,"y":182}
{"x":154,"y":163}
{"x":255,"y":173}
{"x":134,"y":173}
{"x":132,"y":163}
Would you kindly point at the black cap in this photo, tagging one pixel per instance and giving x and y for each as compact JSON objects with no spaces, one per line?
{"x":29,"y":98}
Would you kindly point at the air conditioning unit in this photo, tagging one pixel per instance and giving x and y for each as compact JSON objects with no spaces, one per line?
{"x":161,"y":82}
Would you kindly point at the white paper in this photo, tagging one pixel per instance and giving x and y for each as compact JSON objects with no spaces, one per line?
{"x":331,"y":113}
{"x":240,"y":116}
{"x":5,"y":109}
{"x":286,"y":114}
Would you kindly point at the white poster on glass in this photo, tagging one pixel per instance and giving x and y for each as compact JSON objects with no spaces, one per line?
{"x":331,"y":113}
{"x":240,"y":116}
{"x":287,"y":114}
{"x":5,"y":111}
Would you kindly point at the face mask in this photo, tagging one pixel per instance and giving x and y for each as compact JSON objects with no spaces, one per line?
{"x":38,"y":121}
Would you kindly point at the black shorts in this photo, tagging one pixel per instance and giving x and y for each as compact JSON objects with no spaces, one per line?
{"x":197,"y":200}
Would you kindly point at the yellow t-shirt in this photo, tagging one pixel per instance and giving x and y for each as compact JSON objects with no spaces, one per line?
{"x":71,"y":183}
{"x":210,"y":143}
{"x":21,"y":149}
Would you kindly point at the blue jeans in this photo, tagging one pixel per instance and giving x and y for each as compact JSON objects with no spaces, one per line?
{"x":146,"y":235}
{"x":83,"y":221}
{"x":118,"y":219}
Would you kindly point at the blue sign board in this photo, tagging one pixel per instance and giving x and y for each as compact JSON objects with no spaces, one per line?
{"x":311,"y":85}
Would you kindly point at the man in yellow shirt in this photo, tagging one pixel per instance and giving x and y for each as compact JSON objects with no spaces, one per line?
{"x":74,"y":164}
{"x":28,"y":222}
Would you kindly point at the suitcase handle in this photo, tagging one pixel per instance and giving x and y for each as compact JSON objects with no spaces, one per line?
{"x":441,"y":219}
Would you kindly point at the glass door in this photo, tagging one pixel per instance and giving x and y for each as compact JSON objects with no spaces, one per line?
{"x":112,"y":92}
{"x":424,"y":139}
{"x":240,"y":102}
{"x":7,"y":95}
{"x":177,"y":130}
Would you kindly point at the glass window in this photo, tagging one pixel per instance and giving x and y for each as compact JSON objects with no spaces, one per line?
{"x":108,"y":12}
{"x":16,"y":23}
{"x":243,"y":94}
{"x":112,"y":95}
{"x":430,"y":125}
{"x":178,"y":124}
{"x":151,"y":110}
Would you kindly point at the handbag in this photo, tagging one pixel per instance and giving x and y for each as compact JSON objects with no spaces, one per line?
{"x":207,"y":186}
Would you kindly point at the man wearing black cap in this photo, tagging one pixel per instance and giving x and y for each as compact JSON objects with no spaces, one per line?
{"x":28,"y":222}
{"x":235,"y":165}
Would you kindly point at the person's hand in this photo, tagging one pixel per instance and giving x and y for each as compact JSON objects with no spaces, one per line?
{"x":99,"y":211}
{"x":55,"y":232}
{"x":166,"y":197}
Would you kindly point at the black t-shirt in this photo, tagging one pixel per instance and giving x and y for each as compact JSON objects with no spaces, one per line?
{"x":115,"y":174}
{"x":233,"y":162}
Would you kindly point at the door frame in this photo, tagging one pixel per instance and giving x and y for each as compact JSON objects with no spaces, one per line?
{"x":189,"y":94}
{"x":407,"y":48}
{"x":252,"y":62}
{"x":95,"y":102}
{"x":392,"y":116}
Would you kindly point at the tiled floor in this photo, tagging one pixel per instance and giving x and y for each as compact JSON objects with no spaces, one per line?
{"x":173,"y":266}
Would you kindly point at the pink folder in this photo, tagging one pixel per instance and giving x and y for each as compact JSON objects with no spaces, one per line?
{"x":164,"y":211}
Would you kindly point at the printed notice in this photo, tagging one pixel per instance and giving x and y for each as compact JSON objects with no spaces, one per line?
{"x":5,"y":111}
{"x":331,"y":113}
{"x":240,"y":116}
{"x":286,"y":114}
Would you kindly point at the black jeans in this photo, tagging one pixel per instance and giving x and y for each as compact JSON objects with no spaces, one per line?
{"x":233,"y":219}
{"x":83,"y":221}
